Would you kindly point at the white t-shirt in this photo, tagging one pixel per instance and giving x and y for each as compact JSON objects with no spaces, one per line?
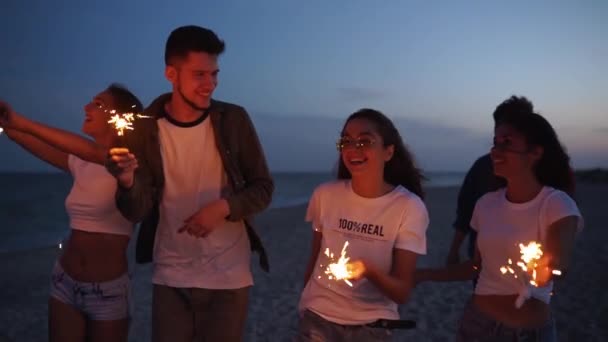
{"x":91,"y":205}
{"x":502,"y":225}
{"x":194,"y":176}
{"x":373,"y":227}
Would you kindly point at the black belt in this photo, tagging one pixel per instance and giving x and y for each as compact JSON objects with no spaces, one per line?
{"x":393,"y":324}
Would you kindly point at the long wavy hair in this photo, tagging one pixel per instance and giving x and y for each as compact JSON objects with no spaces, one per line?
{"x":400,"y":169}
{"x":553,"y":168}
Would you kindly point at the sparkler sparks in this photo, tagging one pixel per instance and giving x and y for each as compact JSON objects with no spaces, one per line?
{"x":338,"y":270}
{"x":124,"y":121}
{"x":530,"y":254}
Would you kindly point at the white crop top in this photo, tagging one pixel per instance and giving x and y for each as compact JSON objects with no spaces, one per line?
{"x":501,"y":225}
{"x":91,"y":203}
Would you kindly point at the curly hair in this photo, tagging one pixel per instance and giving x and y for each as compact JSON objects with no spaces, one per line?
{"x":553,"y":168}
{"x":400,"y":169}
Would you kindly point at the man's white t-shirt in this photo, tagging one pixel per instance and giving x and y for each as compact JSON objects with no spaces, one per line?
{"x":194,"y":177}
{"x":373,"y":227}
{"x":502,"y":225}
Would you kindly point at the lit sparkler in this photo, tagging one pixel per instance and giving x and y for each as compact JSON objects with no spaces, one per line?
{"x":124,"y":120}
{"x":530,"y":254}
{"x":339,"y":270}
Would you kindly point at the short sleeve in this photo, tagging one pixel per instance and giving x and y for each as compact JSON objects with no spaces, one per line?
{"x":560,"y":205}
{"x":313,"y":213}
{"x":412,"y":231}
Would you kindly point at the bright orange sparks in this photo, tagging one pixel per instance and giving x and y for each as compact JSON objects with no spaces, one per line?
{"x":124,"y":121}
{"x":338,"y":270}
{"x":530,"y":254}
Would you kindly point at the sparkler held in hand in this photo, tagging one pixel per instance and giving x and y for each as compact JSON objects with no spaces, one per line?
{"x":527,"y":273}
{"x":343,"y":269}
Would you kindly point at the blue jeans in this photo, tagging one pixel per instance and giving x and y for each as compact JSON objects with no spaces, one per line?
{"x":479,"y":327}
{"x":105,"y":301}
{"x":314,"y":328}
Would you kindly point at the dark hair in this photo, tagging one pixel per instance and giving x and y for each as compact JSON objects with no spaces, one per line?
{"x":553,"y":168}
{"x":400,"y":170}
{"x":124,"y":100}
{"x":510,"y":106}
{"x":186,"y":39}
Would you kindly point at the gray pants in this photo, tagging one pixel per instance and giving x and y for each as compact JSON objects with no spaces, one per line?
{"x":476,"y":326}
{"x":202,"y":315}
{"x":315,"y":328}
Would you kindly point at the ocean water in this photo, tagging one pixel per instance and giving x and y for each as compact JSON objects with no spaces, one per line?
{"x":32,"y":212}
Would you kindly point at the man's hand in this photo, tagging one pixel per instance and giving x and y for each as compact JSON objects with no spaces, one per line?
{"x":206,"y":219}
{"x":122,"y":164}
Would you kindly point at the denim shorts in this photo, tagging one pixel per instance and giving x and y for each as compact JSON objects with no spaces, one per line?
{"x":105,"y":301}
{"x":477,"y":326}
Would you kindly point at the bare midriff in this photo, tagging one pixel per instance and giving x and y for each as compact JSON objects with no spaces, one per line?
{"x":95,"y":257}
{"x":532,"y":314}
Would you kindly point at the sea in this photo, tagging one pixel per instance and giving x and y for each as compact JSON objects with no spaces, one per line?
{"x":32,"y":212}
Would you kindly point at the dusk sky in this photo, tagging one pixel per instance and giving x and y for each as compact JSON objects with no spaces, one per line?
{"x":438,"y":68}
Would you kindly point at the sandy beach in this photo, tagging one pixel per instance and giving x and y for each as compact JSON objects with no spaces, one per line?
{"x":580,"y":303}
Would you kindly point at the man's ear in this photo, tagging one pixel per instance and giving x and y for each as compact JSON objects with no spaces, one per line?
{"x":171,"y":74}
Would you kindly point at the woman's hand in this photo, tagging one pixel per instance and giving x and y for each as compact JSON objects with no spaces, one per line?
{"x":544,"y":272}
{"x":356,"y":270}
{"x":9,"y":119}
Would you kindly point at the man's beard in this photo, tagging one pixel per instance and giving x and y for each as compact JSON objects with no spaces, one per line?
{"x":188,"y":102}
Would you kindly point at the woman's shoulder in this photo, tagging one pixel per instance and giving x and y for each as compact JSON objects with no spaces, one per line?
{"x":332,"y":186}
{"x":491,"y":197}
{"x":555,"y":194}
{"x":557,"y":198}
{"x":407,"y":197}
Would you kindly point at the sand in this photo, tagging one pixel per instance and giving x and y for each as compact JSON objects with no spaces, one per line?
{"x":580,"y":303}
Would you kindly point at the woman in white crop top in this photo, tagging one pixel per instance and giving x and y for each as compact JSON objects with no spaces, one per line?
{"x":375,"y":206}
{"x":535,"y":205}
{"x":90,"y":282}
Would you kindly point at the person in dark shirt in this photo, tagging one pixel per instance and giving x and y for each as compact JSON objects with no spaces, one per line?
{"x":479,"y":180}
